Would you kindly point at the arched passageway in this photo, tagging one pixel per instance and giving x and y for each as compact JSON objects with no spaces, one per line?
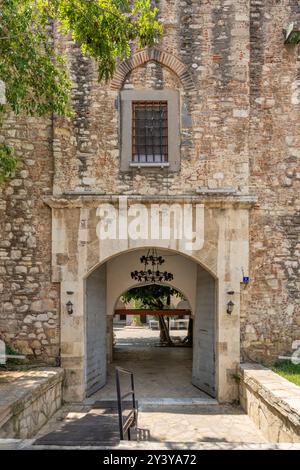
{"x":105,"y":285}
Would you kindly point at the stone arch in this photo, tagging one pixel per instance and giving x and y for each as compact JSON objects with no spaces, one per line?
{"x":118,"y":251}
{"x":156,"y":55}
{"x":102,"y":290}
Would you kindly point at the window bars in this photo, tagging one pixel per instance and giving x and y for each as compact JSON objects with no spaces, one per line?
{"x":149,"y":131}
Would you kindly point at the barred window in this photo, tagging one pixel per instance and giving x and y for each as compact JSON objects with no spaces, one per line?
{"x":149,"y":131}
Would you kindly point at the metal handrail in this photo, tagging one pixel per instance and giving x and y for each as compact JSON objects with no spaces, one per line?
{"x":125,"y":423}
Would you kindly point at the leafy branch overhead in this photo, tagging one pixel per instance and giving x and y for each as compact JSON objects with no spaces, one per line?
{"x":157,"y":297}
{"x":8,"y":162}
{"x":35,"y":76}
{"x":152,"y":296}
{"x":105,"y":29}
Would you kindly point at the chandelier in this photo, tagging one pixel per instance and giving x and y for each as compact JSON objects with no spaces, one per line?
{"x":151,"y":271}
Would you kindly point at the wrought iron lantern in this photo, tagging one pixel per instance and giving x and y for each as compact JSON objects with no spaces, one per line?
{"x":230,"y":306}
{"x":152,"y":271}
{"x":69,"y":306}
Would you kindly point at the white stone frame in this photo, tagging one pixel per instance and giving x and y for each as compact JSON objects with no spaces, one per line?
{"x":172,"y":98}
{"x":77,"y":252}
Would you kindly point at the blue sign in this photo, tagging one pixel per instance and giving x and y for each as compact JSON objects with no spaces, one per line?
{"x":246,"y":279}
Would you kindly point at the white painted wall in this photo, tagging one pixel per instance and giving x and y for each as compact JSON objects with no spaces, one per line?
{"x":119,"y":279}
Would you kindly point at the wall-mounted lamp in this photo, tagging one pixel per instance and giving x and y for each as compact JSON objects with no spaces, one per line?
{"x":230,"y":306}
{"x":69,"y":306}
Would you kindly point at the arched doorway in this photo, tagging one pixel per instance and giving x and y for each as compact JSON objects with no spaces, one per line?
{"x":104,"y":287}
{"x":157,"y":350}
{"x":159,"y":307}
{"x":77,"y":252}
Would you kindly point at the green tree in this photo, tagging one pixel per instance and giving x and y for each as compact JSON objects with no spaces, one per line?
{"x":154,"y":297}
{"x":35,"y":76}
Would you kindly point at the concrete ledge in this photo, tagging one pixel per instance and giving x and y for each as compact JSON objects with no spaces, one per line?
{"x":28,"y":399}
{"x":89,"y":199}
{"x":272,"y":402}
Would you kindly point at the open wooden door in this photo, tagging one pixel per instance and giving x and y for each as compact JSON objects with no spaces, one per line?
{"x":204,"y":334}
{"x":96,"y":331}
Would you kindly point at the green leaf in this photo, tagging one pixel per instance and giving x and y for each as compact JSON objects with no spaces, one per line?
{"x":35,"y":75}
{"x":8,"y":162}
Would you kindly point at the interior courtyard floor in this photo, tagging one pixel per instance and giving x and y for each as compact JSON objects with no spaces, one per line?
{"x":159,"y":372}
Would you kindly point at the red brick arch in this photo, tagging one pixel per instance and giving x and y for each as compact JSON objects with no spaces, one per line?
{"x":156,"y":55}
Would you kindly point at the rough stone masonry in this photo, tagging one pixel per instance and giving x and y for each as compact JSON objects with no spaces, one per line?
{"x":239,"y":89}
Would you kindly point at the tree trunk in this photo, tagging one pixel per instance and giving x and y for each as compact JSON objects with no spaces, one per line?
{"x":164,"y":333}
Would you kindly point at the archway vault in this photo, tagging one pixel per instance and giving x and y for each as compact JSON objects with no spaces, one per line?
{"x":119,"y":280}
{"x":118,"y":251}
{"x":106,"y":283}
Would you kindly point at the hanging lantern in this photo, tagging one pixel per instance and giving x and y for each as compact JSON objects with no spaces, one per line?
{"x":151,"y":272}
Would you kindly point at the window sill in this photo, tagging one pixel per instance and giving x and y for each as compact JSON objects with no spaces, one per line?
{"x":149,"y":165}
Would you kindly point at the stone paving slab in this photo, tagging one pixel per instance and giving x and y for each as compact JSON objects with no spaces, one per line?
{"x":147,"y":404}
{"x":158,"y":372}
{"x":217,"y":423}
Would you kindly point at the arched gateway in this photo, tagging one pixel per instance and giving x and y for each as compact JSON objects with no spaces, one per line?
{"x":108,"y":281}
{"x":94,"y":270}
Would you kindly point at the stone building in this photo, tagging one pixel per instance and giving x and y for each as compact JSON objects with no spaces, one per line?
{"x":225,"y":92}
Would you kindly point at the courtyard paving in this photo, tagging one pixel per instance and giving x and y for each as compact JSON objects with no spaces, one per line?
{"x":159,"y":372}
{"x":221,"y":424}
{"x":142,"y":336}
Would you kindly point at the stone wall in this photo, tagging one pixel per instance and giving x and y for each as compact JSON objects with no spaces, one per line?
{"x":205,"y":54}
{"x":239,"y":88}
{"x":271,"y":317}
{"x":208,"y":54}
{"x":272,"y":403}
{"x":29,"y":309}
{"x":27,"y":400}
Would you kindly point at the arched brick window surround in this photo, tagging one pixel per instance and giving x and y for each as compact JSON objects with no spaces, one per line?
{"x":156,"y":55}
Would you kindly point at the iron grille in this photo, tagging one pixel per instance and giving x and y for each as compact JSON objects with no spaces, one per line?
{"x":149,"y":131}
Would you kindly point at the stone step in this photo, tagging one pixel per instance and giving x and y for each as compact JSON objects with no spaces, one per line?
{"x":154,"y":403}
{"x":151,"y":404}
